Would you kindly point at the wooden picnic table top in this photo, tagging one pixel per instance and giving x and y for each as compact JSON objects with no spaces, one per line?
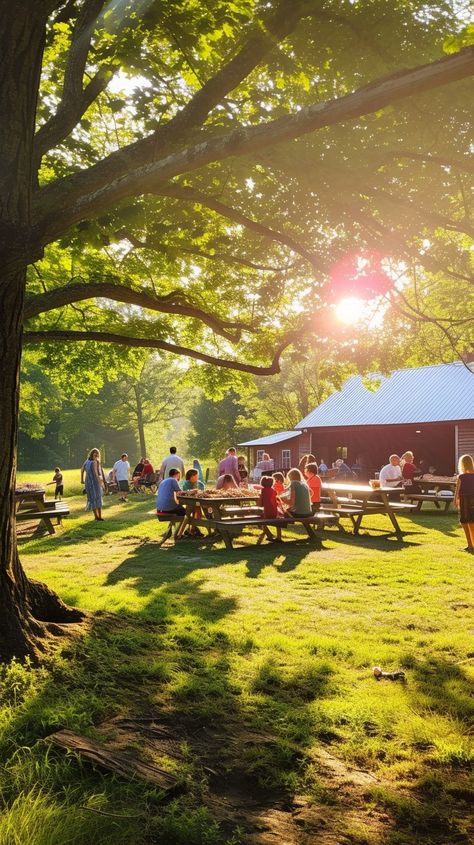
{"x":348,"y":487}
{"x":218,"y":500}
{"x":436,"y":481}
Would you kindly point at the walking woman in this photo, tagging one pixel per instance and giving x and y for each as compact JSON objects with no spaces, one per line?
{"x":94,"y":483}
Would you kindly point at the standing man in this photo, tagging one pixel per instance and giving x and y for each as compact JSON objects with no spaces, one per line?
{"x":230,"y":465}
{"x":121,"y":471}
{"x":391,"y":473}
{"x":173,"y":461}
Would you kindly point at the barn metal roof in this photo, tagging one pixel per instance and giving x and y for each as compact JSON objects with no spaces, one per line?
{"x":437,"y":393}
{"x":270,"y":439}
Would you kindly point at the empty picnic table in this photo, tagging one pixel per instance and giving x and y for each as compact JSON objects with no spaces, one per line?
{"x":31,"y":506}
{"x":357,"y":500}
{"x":429,"y":488}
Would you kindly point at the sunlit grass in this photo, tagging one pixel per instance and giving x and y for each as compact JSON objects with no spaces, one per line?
{"x":281,"y":640}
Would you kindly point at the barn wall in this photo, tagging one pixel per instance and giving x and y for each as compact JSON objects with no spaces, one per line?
{"x":434,"y":443}
{"x":465,"y":439}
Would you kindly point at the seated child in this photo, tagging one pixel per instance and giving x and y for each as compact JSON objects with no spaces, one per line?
{"x":191,"y":481}
{"x":269,"y":503}
{"x":278,"y":482}
{"x":314,"y":483}
{"x":225,"y":482}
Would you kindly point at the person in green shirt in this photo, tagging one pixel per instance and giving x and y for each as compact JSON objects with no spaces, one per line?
{"x":191,"y":481}
{"x":297,"y":497}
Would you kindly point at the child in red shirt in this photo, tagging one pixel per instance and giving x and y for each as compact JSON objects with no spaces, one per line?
{"x":314,"y":483}
{"x":278,"y":482}
{"x":269,"y":503}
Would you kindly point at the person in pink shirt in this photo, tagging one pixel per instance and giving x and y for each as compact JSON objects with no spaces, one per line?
{"x":230,"y":465}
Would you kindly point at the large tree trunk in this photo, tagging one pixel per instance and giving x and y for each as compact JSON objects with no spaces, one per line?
{"x":25,"y":606}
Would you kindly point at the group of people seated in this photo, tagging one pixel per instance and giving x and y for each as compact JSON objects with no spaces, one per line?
{"x":401,"y":472}
{"x":298,"y":495}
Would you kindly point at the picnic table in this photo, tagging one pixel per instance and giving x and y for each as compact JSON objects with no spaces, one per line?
{"x":358,"y":500}
{"x":225,"y":517}
{"x":30,"y":495}
{"x":430,"y":489}
{"x":32,"y":506}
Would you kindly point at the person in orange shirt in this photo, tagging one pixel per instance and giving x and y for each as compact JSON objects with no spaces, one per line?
{"x":314,"y":483}
{"x":278,"y":482}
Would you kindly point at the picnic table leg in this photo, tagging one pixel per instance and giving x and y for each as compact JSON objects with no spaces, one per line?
{"x":447,"y":505}
{"x":227,"y":539}
{"x":312,"y":533}
{"x":167,"y":534}
{"x":356,"y":521}
{"x":46,"y":522}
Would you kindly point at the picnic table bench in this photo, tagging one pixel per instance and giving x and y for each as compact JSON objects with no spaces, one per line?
{"x":52,"y":509}
{"x":434,"y":498}
{"x":230,"y":528}
{"x":359,"y":500}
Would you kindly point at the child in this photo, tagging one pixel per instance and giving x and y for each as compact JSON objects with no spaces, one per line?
{"x":269,"y":503}
{"x":314,"y":483}
{"x":58,"y":481}
{"x":278,"y":482}
{"x":225,"y":482}
{"x":464,"y":498}
{"x":297,"y":497}
{"x":191,"y":481}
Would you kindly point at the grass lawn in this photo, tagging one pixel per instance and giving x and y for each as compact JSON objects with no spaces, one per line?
{"x":260,"y":660}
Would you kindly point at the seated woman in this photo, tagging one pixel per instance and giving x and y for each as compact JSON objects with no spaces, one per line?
{"x":226,"y":482}
{"x":191,"y":481}
{"x":137,"y":474}
{"x":297,"y":496}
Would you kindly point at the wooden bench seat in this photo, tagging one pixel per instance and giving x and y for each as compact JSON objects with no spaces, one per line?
{"x":229,"y":528}
{"x":50,"y":513}
{"x":435,"y":498}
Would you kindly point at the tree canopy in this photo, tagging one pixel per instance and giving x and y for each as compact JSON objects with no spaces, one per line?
{"x":186,"y":202}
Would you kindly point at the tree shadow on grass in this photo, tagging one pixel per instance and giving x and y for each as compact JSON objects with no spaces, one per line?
{"x":385,"y":543}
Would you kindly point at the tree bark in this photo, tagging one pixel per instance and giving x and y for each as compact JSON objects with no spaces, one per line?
{"x":25,"y":605}
{"x":140,"y":425}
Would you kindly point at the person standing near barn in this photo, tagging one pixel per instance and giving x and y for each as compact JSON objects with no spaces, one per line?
{"x":230,"y":465}
{"x":464,"y":498}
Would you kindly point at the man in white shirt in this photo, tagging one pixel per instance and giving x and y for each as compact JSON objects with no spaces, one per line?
{"x":173,"y":461}
{"x":391,"y":473}
{"x":121,"y":471}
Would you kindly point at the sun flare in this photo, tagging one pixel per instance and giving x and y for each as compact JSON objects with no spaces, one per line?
{"x":351,"y":310}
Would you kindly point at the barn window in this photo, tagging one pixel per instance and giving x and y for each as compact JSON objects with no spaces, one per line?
{"x":260,"y":454}
{"x":285,"y":458}
{"x":341,"y":452}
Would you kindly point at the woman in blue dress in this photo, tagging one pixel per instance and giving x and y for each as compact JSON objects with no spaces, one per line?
{"x":94,"y":483}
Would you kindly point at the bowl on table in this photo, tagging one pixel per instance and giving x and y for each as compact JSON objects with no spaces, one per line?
{"x":374,"y":483}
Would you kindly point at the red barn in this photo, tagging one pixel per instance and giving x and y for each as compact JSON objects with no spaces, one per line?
{"x":285,"y":447}
{"x":427,"y":410}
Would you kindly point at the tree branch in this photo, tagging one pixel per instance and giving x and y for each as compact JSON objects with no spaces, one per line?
{"x":149,"y":343}
{"x":77,"y":292}
{"x":172,"y":250}
{"x":260,"y":43}
{"x":461,"y":164}
{"x":190,"y":195}
{"x":61,"y":205}
{"x":74,"y":100}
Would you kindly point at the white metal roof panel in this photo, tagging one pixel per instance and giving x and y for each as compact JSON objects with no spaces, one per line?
{"x":438,"y":393}
{"x":270,"y":439}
